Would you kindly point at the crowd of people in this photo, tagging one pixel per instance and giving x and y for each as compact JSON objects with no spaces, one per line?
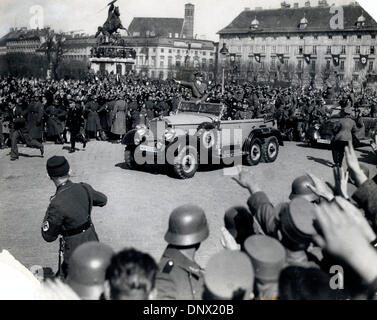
{"x":287,"y":251}
{"x":319,"y":244}
{"x":110,"y":106}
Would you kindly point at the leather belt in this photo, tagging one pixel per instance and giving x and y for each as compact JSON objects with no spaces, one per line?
{"x":78,"y":230}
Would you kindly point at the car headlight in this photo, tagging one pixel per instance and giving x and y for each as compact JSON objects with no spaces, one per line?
{"x":141,"y":131}
{"x":169,"y":134}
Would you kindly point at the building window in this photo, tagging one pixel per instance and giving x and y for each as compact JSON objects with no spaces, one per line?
{"x":161,"y":64}
{"x":170,"y":51}
{"x":273,"y":49}
{"x":170,"y":61}
{"x":299,"y":64}
{"x":204,"y":63}
{"x":177,"y":63}
{"x":300,"y":50}
{"x":357,"y":49}
{"x":343,"y":50}
{"x":196,"y":53}
{"x":315,"y":37}
{"x":178,"y":51}
{"x":328,"y":51}
{"x":341,"y":77}
{"x":154,"y":50}
{"x":344,"y":37}
{"x":286,"y":49}
{"x":273,"y":62}
{"x":288,"y":37}
{"x":314,"y":49}
{"x":359,"y":36}
{"x":328,"y":64}
{"x":372,"y":50}
{"x":373,"y":36}
{"x":162,"y":50}
{"x":313,"y":65}
{"x":371,"y":65}
{"x":263,"y":48}
{"x":342,"y":65}
{"x":177,"y":35}
{"x":204,"y":53}
{"x":355,"y":77}
{"x":330,"y":36}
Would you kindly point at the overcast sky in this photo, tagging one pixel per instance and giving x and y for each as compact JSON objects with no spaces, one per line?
{"x":86,"y":15}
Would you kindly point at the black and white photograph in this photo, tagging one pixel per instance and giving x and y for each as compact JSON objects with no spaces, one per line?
{"x":197,"y":150}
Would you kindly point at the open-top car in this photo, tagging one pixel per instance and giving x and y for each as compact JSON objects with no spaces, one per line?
{"x":199,"y":134}
{"x":323,"y":133}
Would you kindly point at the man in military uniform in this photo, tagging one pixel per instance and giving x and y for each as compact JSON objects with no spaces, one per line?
{"x":19,"y":131}
{"x":198,"y":87}
{"x":69,"y":213}
{"x":75,"y":124}
{"x":180,"y":277}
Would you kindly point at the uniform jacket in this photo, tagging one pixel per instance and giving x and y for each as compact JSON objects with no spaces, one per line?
{"x":179,"y":278}
{"x":198,"y":90}
{"x":69,"y":209}
{"x":268,"y":218}
{"x":75,"y":119}
{"x":34,"y":120}
{"x":344,"y":129}
{"x":365,"y":197}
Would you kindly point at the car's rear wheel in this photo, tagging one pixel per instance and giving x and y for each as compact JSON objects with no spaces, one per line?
{"x":254,"y":153}
{"x":270,"y":149}
{"x":186,"y":163}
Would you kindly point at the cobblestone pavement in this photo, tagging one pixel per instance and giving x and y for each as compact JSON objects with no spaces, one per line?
{"x":139,"y":202}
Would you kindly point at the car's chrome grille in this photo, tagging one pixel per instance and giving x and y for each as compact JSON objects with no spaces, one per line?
{"x":157,"y":128}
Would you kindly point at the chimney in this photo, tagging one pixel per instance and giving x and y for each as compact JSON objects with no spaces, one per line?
{"x":323,"y":3}
{"x":188,"y":24}
{"x":307,"y":4}
{"x":296,"y":5}
{"x":285,"y":5}
{"x":247,"y":9}
{"x":258,"y":8}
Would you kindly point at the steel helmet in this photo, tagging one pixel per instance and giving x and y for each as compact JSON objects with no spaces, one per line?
{"x":300,"y":189}
{"x":187,"y":226}
{"x":87,"y":269}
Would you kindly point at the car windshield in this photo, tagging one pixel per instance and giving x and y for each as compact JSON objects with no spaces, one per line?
{"x":211,"y":108}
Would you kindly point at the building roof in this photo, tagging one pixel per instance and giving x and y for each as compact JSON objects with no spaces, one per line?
{"x":169,"y":42}
{"x":288,"y":20}
{"x":160,"y":27}
{"x":26,"y":34}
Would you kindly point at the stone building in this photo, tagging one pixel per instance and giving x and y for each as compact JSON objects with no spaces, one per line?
{"x":166,"y":45}
{"x":305,"y":45}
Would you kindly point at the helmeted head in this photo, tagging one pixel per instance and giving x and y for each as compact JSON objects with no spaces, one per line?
{"x":187,"y":226}
{"x":300,"y":189}
{"x":87,"y":269}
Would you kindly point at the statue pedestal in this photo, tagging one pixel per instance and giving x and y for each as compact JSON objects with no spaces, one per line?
{"x":112,"y":59}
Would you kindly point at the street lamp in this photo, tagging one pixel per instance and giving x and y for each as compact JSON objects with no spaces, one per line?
{"x":224,"y":52}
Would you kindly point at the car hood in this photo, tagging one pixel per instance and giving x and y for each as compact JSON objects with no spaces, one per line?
{"x":189,"y":118}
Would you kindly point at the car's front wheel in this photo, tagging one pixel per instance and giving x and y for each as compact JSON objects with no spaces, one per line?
{"x":186,"y":163}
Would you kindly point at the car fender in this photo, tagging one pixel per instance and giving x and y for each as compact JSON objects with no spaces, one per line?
{"x":263,"y":134}
{"x":128,"y":138}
